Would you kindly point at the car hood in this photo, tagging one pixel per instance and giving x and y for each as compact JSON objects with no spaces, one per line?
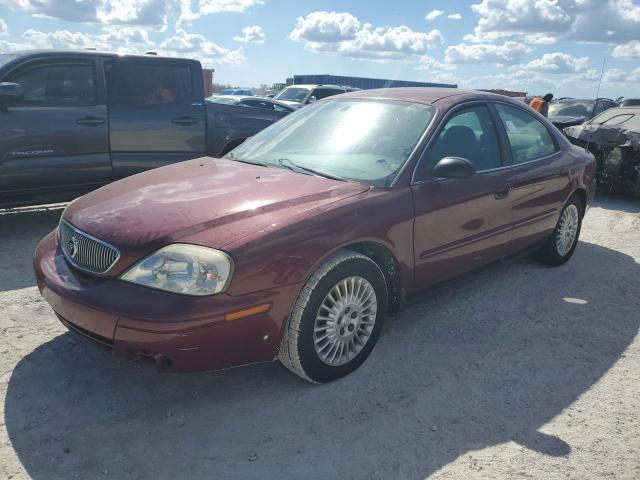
{"x":203,"y":201}
{"x":566,"y":121}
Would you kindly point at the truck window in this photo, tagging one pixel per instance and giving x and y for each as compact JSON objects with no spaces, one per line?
{"x":146,"y":84}
{"x":321,"y":93}
{"x":57,"y":84}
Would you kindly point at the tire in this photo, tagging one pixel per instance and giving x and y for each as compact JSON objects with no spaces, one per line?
{"x":353,"y":325}
{"x":556,"y":251}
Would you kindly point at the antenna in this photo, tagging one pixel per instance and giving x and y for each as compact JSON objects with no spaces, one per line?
{"x":597,"y":96}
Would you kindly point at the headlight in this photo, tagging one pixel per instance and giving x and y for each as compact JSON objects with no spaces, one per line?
{"x":183,"y":268}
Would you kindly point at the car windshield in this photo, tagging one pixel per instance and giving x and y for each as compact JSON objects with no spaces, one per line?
{"x":366,"y":141}
{"x":571,"y":108}
{"x":6,"y":58}
{"x":293,"y":94}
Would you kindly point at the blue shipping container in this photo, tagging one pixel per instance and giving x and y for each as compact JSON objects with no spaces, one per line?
{"x":363,"y":83}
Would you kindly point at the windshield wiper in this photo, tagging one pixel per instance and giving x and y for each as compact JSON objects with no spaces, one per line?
{"x":229,"y":156}
{"x":285,"y":162}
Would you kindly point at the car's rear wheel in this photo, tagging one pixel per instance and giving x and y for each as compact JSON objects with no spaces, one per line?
{"x":560,"y":246}
{"x":336,"y":320}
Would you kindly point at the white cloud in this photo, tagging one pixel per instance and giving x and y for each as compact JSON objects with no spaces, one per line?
{"x":137,"y":12}
{"x":325,"y":27}
{"x":426,"y":62}
{"x":548,"y":21}
{"x":627,"y":50}
{"x":194,"y":45}
{"x":454,"y":16}
{"x":558,"y":62}
{"x":613,"y":75}
{"x":206,"y":7}
{"x":129,"y":39}
{"x":251,"y":34}
{"x":507,"y":53}
{"x":433,"y":14}
{"x":3,"y":27}
{"x":344,"y":34}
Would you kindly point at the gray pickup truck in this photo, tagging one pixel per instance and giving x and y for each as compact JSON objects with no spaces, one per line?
{"x":71,"y":121}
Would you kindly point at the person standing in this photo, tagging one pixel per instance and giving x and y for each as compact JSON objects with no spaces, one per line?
{"x":541,"y":105}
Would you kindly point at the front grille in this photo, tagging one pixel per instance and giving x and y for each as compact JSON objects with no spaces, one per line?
{"x":86,"y":252}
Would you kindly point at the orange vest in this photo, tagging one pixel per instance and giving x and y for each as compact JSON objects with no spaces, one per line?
{"x":536,"y":104}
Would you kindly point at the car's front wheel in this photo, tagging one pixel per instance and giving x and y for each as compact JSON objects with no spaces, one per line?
{"x":336,"y":320}
{"x":560,"y":246}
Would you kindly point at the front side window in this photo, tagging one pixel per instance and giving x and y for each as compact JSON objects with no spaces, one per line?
{"x":469,"y":134}
{"x":367,"y":141}
{"x":528,"y":137}
{"x":57,"y":85}
{"x":148,"y":84}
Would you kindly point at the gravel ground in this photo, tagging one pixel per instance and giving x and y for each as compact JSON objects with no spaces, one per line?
{"x":514,"y":371}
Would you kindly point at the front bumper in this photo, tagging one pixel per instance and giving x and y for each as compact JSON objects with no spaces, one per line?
{"x":179,"y":332}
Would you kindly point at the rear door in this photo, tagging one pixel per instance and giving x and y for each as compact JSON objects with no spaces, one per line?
{"x":539,"y":176}
{"x":156,"y":113}
{"x":461,"y":224}
{"x":57,"y":136}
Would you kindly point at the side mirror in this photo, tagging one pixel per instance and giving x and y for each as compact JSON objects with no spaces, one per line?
{"x":311,"y":99}
{"x":10,"y":92}
{"x":454,"y":167}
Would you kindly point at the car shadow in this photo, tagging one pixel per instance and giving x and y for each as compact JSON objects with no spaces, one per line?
{"x":21,"y":229}
{"x":488,"y":358}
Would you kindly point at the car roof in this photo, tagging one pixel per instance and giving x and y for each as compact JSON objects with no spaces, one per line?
{"x":426,"y":95}
{"x":240,"y":98}
{"x":90,"y":53}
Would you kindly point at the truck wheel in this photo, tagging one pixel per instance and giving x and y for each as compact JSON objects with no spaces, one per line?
{"x":560,"y":246}
{"x":336,"y":320}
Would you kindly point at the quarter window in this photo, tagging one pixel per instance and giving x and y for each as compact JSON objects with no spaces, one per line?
{"x":469,"y":134}
{"x":59,"y":84}
{"x":528,"y":137}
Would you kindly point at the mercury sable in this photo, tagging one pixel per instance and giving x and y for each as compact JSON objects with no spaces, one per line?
{"x":297,"y":244}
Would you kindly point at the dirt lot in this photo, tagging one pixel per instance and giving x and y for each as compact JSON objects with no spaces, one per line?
{"x":515,"y":371}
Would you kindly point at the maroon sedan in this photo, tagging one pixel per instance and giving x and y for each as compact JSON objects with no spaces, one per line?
{"x":299,"y":242}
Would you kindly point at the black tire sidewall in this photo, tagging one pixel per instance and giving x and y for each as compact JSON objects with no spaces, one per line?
{"x":317,"y":370}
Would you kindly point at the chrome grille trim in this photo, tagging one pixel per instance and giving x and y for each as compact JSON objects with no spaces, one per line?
{"x":91,"y":255}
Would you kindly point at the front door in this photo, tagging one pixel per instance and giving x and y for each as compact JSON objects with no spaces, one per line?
{"x":461,"y":224}
{"x":57,"y":135}
{"x":156,"y":113}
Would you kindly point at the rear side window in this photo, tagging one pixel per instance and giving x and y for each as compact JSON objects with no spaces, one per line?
{"x":57,"y":84}
{"x":470,"y":134}
{"x":148,"y":84}
{"x":528,"y":137}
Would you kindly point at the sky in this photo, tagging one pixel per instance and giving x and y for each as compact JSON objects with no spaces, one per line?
{"x":537,"y":46}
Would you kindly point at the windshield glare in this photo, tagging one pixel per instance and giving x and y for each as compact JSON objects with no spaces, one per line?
{"x":577,"y":108}
{"x":366,"y":141}
{"x":293,"y":94}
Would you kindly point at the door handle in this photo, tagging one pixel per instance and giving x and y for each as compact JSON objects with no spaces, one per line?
{"x":185,"y":121}
{"x":504,"y":193}
{"x":90,"y":121}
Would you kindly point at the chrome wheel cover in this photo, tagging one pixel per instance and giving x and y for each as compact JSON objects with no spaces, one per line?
{"x":567,"y":230}
{"x":345,"y":321}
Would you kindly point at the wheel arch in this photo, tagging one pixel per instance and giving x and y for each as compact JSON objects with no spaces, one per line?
{"x":386,"y":260}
